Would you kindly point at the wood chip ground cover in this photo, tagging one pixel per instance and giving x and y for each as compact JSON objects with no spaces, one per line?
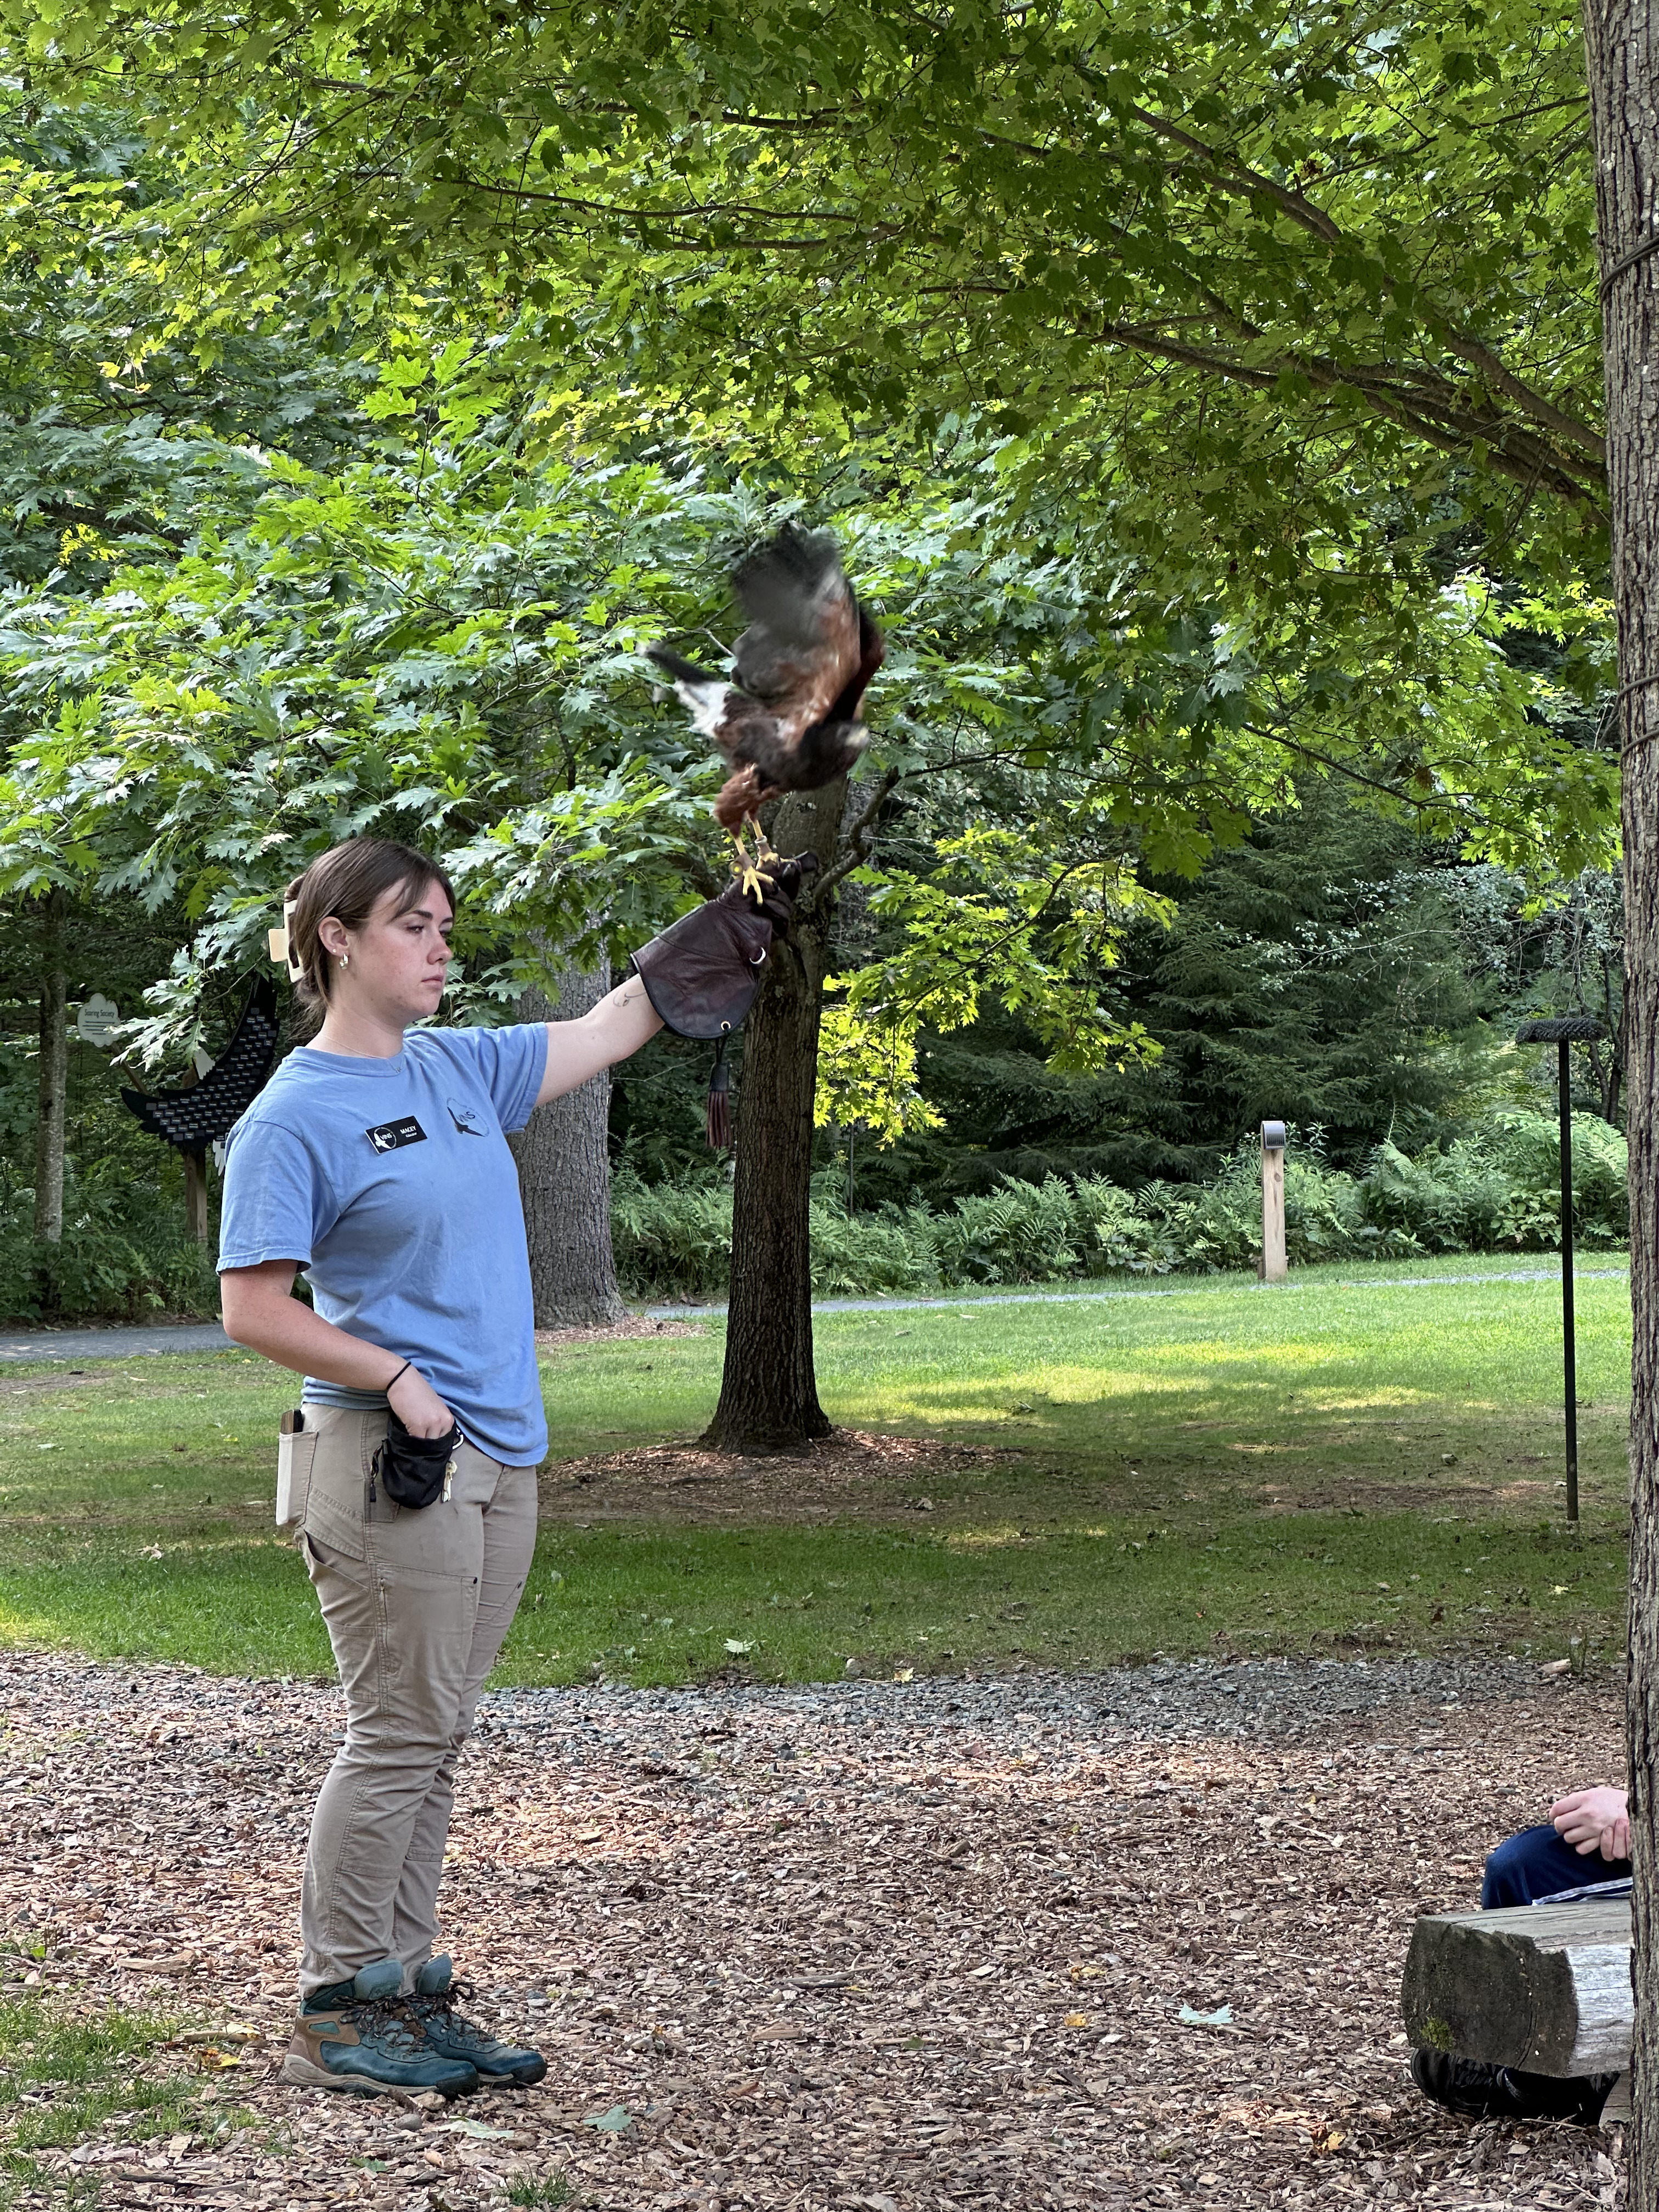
{"x":866,"y":1946}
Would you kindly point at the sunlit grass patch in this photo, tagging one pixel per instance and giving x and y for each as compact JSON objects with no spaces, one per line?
{"x":1003,"y":1539}
{"x":66,"y":2075}
{"x":1214,"y":1468}
{"x":1396,"y":1399}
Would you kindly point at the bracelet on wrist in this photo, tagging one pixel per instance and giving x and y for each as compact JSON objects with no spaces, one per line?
{"x":402,"y":1371}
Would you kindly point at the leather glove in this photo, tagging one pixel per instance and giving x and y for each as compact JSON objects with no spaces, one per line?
{"x":703,"y":975}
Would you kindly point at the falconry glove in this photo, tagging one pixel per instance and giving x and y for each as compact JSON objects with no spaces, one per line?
{"x":703,"y":975}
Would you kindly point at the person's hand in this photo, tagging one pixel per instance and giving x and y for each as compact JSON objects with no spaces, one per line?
{"x":1595,"y":1820}
{"x":418,"y":1406}
{"x":702,"y":974}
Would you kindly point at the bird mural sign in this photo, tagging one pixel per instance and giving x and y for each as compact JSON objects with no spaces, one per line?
{"x":191,"y":1120}
{"x":202,"y":1115}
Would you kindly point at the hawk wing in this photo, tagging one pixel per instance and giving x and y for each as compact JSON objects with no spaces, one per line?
{"x":802,"y":645}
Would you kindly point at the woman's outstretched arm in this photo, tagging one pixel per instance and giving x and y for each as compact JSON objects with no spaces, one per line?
{"x":617,"y":1026}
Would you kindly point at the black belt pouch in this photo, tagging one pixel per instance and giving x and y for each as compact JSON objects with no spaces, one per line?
{"x":413,"y":1470}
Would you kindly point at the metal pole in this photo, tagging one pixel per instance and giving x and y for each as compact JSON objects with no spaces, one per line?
{"x":1568,"y":1348}
{"x":1563,"y":1031}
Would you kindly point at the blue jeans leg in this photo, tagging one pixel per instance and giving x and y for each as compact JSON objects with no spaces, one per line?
{"x":1537,"y":1863}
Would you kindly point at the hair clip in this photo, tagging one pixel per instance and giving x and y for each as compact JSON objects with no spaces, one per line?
{"x":281,"y":942}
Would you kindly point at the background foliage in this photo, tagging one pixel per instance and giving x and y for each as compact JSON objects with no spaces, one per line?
{"x":1497,"y":1190}
{"x":1209,"y":414}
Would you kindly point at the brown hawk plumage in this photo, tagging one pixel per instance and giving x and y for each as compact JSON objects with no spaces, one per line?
{"x":788,"y":717}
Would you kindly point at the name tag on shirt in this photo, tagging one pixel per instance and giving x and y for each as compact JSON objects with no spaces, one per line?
{"x":392,"y":1136}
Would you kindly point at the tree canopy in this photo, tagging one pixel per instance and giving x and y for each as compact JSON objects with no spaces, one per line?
{"x":1210,"y":402}
{"x":442,"y":640}
{"x":1293,"y":253}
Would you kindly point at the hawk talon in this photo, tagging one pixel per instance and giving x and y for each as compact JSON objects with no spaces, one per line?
{"x":754,"y":870}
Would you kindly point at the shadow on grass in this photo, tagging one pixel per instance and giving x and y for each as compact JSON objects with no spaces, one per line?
{"x":1334,"y":1467}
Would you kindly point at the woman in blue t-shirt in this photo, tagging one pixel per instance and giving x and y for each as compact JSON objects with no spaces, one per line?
{"x":376,"y":1161}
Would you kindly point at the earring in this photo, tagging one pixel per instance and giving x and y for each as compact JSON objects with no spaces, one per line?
{"x":345,"y":960}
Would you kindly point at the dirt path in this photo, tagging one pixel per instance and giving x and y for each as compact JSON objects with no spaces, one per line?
{"x":810,"y":1952}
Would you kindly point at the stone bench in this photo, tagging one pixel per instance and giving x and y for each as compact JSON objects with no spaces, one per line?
{"x":1544,"y":1987}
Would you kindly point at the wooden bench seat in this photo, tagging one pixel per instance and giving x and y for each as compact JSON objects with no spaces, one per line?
{"x":1545,"y":1987}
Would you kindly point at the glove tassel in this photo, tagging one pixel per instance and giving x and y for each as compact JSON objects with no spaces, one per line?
{"x":717,"y":1120}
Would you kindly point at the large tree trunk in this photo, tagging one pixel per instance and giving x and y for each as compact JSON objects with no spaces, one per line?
{"x":54,"y":1074}
{"x":564,"y":1179}
{"x":769,"y":1391}
{"x":1622,"y":50}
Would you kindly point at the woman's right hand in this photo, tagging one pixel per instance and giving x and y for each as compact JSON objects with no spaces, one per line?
{"x":418,"y":1406}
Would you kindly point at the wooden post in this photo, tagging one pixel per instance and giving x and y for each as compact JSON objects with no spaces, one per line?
{"x":1274,"y":1266}
{"x":196,"y":1196}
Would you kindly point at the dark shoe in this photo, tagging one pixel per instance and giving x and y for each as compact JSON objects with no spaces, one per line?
{"x":359,"y":2036}
{"x":436,"y":1995}
{"x":1505,"y":2093}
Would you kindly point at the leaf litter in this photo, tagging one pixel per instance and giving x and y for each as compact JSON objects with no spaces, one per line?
{"x":861,"y":1945}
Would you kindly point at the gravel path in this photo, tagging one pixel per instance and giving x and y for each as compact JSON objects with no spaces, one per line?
{"x":896,"y":1947}
{"x":119,"y":1341}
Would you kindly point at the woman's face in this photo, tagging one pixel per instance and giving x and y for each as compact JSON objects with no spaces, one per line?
{"x":397,"y":960}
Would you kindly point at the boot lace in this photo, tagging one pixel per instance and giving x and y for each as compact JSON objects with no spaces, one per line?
{"x":388,"y":2024}
{"x":440,"y":2011}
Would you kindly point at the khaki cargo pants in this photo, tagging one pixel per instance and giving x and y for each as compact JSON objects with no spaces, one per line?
{"x":416,"y":1603}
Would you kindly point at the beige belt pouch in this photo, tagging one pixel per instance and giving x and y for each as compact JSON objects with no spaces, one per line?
{"x":296,"y":1448}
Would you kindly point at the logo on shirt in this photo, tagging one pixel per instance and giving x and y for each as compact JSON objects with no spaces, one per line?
{"x":391,"y":1136}
{"x":466,"y":1118}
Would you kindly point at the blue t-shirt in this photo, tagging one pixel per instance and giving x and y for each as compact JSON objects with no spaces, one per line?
{"x":391,"y":1182}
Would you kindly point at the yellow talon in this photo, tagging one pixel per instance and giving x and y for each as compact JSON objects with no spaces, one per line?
{"x":753,"y":869}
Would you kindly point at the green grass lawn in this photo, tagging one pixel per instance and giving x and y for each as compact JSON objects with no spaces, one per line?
{"x":1349,"y":1461}
{"x":67,"y":2072}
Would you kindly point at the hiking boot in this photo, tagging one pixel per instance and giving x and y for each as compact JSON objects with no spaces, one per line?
{"x":359,"y":2036}
{"x":437,"y":1993}
{"x":1505,"y":2093}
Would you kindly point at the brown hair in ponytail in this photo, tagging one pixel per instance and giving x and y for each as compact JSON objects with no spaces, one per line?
{"x":347,"y":882}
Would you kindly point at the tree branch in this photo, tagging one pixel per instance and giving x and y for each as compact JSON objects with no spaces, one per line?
{"x":1514,"y":452}
{"x":1302,"y":211}
{"x":858,"y":839}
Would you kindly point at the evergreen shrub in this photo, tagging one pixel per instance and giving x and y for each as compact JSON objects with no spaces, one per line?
{"x":100,"y":1271}
{"x":672,"y":1240}
{"x":1492,"y":1190}
{"x":123,"y":1257}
